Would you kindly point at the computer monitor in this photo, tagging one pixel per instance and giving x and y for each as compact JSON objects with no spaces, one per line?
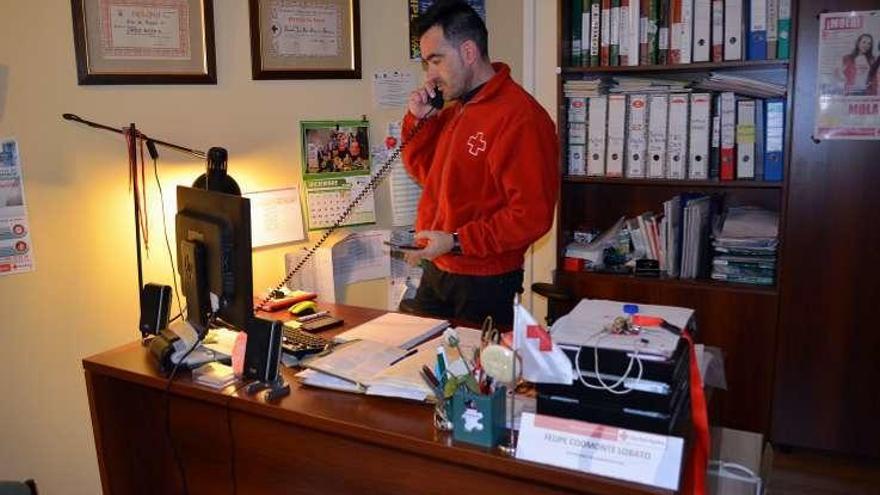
{"x":214,"y":256}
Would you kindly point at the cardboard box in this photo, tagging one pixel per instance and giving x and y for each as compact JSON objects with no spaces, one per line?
{"x":739,"y":462}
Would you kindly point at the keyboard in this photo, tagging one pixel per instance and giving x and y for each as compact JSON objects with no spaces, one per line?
{"x":300,"y":343}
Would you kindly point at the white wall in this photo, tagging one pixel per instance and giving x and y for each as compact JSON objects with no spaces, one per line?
{"x":82,"y":298}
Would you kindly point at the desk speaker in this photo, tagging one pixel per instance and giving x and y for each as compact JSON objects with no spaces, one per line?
{"x":262,"y":355}
{"x":155,"y":304}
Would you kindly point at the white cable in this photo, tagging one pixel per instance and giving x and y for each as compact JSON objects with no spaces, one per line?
{"x":602,"y":385}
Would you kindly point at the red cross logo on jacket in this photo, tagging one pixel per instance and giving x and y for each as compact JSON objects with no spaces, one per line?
{"x":476,"y":144}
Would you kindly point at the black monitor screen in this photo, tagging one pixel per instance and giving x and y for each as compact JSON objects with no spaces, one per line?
{"x":214,"y":256}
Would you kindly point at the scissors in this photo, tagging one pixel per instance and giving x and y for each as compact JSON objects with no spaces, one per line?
{"x":489,"y":334}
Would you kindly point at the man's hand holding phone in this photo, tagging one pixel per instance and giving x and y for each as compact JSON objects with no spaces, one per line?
{"x":420,"y":104}
{"x":436,"y":243}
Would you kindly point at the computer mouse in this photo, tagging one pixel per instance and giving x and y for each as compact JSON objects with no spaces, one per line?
{"x":303,"y":308}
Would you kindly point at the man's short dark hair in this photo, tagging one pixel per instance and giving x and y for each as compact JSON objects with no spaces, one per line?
{"x":460,"y":22}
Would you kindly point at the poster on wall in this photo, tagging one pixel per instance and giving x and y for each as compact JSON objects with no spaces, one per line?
{"x":848,"y":76}
{"x":16,"y":249}
{"x":336,"y":168}
{"x":417,"y":7}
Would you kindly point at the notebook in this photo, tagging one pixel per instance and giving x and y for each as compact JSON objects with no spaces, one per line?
{"x":395,"y":329}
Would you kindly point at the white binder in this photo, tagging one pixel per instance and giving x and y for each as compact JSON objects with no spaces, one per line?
{"x":636,"y":135}
{"x":687,"y":30}
{"x":698,"y":154}
{"x":616,"y":135}
{"x":577,"y":140}
{"x":576,"y":164}
{"x":676,"y":141}
{"x":596,"y":136}
{"x":745,"y":139}
{"x":733,"y":30}
{"x":702,"y":30}
{"x":717,"y":51}
{"x":657,"y":110}
{"x":633,"y":32}
{"x":577,"y":109}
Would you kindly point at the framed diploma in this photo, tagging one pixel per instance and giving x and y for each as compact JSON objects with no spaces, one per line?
{"x":305,"y":39}
{"x":144,"y":41}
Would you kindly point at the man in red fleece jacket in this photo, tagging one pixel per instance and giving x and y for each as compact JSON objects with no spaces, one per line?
{"x":488,"y":165}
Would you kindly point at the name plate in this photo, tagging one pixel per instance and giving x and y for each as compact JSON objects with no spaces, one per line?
{"x":609,"y":451}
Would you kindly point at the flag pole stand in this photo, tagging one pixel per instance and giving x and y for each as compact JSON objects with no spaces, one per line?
{"x":510,"y":449}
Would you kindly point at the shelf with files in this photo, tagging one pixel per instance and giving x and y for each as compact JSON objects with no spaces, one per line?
{"x":632,"y":70}
{"x":739,"y":318}
{"x":673,"y":183}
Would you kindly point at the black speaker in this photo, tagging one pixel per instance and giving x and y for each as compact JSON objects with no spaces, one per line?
{"x":263,"y":352}
{"x":155,"y":304}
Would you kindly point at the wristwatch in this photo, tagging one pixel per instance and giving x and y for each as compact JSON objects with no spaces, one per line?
{"x":456,"y":244}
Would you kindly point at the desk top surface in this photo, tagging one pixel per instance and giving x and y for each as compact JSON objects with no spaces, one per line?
{"x":395,"y":423}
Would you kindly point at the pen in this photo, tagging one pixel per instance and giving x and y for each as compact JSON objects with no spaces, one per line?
{"x":430,"y":381}
{"x":429,"y":377}
{"x":401,"y":358}
{"x":312,"y":316}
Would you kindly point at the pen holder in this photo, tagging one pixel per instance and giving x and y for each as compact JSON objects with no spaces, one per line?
{"x":478,"y":419}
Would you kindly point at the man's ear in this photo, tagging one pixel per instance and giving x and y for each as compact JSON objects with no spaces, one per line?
{"x":469,"y":52}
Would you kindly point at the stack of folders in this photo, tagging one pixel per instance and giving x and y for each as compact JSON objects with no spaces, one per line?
{"x":745,"y":247}
{"x":652,"y":32}
{"x":641,"y":130}
{"x":214,"y":375}
{"x":678,"y":239}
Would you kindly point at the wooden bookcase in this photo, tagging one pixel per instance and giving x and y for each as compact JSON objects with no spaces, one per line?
{"x":740,"y":319}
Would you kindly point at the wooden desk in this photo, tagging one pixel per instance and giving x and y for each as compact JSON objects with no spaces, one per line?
{"x":313,"y":441}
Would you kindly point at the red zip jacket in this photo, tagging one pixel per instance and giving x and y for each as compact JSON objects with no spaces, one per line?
{"x":489,"y":171}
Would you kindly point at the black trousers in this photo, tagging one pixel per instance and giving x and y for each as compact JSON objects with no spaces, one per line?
{"x":467,"y":298}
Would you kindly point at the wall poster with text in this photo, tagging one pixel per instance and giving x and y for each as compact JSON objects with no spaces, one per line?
{"x":16,"y":249}
{"x":848,"y":78}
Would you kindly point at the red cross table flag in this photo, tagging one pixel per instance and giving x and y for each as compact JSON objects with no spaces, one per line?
{"x":542,"y":360}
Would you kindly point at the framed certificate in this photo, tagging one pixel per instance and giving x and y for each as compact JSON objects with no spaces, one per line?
{"x":144,"y":41}
{"x":305,"y":39}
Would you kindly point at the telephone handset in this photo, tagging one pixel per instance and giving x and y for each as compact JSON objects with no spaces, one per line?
{"x":437,"y":104}
{"x":437,"y":100}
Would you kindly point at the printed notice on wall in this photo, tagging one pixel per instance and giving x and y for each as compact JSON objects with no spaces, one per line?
{"x":848,"y":76}
{"x":16,"y":249}
{"x":153,"y":30}
{"x":276,"y":217}
{"x":391,"y":88}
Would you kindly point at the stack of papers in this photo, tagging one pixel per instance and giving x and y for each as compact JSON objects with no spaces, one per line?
{"x":585,"y":88}
{"x":741,"y":85}
{"x":588,"y":320}
{"x":624,"y":84}
{"x":214,"y":375}
{"x":364,"y":367}
{"x":395,"y":329}
{"x":745,"y":246}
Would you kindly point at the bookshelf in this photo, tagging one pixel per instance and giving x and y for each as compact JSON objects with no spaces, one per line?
{"x":741,"y":319}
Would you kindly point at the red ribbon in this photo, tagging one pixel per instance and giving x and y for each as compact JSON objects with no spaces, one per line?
{"x":695,"y":477}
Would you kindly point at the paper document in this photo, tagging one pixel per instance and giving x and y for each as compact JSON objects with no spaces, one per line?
{"x":396,"y":329}
{"x":586,"y":323}
{"x":402,"y":379}
{"x":357,"y":361}
{"x":276,"y":217}
{"x":391,"y":87}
